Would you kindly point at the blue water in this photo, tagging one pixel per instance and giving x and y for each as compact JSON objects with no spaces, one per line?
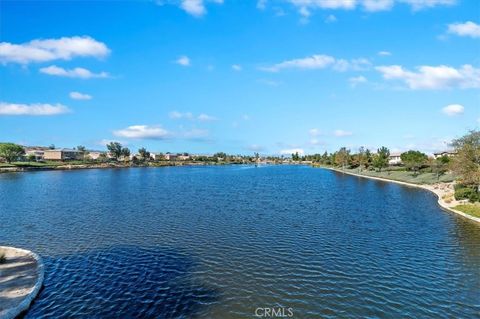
{"x":220,"y":242}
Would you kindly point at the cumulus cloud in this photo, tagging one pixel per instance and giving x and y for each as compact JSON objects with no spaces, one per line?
{"x":196,"y":8}
{"x":467,"y":29}
{"x":206,"y":118}
{"x":433,"y":77}
{"x":453,"y":109}
{"x":330,"y":19}
{"x":36,"y":109}
{"x":291,"y":151}
{"x":143,"y":132}
{"x":45,"y":50}
{"x":319,"y":61}
{"x":183,"y":60}
{"x":80,"y":73}
{"x":342,"y":133}
{"x":314,"y":132}
{"x":79,"y":96}
{"x":354,"y":81}
{"x":179,"y":115}
{"x":237,"y":67}
{"x":305,"y":6}
{"x":384,"y":53}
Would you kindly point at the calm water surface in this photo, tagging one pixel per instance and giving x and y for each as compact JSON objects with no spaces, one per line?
{"x":218,"y":242}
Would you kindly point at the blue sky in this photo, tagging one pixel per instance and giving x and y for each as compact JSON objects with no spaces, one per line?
{"x":240,"y":76}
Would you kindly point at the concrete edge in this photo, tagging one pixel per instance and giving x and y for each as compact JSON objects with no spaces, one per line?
{"x":440,"y":201}
{"x":28,"y":299}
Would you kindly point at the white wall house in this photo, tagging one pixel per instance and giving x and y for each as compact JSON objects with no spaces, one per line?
{"x":394,"y":158}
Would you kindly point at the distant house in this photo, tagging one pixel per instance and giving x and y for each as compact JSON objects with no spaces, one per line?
{"x":444,"y":153}
{"x":63,"y":154}
{"x":36,"y":154}
{"x":183,"y":157}
{"x":156,"y":156}
{"x":170,"y":157}
{"x":94,"y":155}
{"x":394,"y":158}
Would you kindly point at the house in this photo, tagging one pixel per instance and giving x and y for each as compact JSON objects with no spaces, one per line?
{"x":394,"y":158}
{"x":94,"y":155}
{"x":156,"y":156}
{"x":444,"y":153}
{"x":170,"y":157}
{"x":183,"y":157}
{"x":63,"y":154}
{"x":35,"y":154}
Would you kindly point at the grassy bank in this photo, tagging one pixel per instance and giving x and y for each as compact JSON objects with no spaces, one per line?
{"x":401,"y":175}
{"x":470,"y":209}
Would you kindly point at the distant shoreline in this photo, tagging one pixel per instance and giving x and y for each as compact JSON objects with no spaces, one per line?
{"x":438,"y":189}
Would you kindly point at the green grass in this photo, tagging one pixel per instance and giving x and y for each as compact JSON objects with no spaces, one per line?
{"x":406,"y":176}
{"x":470,"y":209}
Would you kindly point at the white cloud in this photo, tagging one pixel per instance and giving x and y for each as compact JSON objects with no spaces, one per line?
{"x":354,"y":81}
{"x":384,"y":53}
{"x":433,"y":77}
{"x":36,"y":109}
{"x":52,"y":49}
{"x":467,"y":29}
{"x":330,"y":19}
{"x":453,"y":109}
{"x":320,"y":61}
{"x":179,"y":115}
{"x":206,"y":118}
{"x":143,"y":132}
{"x":342,"y":133}
{"x":72,"y":73}
{"x":193,"y":7}
{"x":424,"y":4}
{"x":237,"y":67}
{"x":314,"y":132}
{"x":262,"y":4}
{"x":79,"y":96}
{"x":291,"y":151}
{"x":183,"y":60}
{"x":245,"y":117}
{"x":304,"y":6}
{"x":377,"y":5}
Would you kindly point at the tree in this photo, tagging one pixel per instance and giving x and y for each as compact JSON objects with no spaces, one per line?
{"x":380,"y":160}
{"x":81,"y":148}
{"x":440,"y":165}
{"x":342,"y":157}
{"x":51,"y":146}
{"x":362,"y":158}
{"x":295,"y":157}
{"x":414,"y":160}
{"x":466,"y":163}
{"x":115,"y":149}
{"x":125,"y":154}
{"x":144,"y":153}
{"x":11,"y":151}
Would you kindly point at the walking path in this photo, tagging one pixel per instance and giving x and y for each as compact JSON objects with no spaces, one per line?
{"x":21,"y":277}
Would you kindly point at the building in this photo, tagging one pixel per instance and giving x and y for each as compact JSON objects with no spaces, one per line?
{"x":156,"y":156}
{"x":63,"y":154}
{"x":394,"y":158}
{"x":35,"y":154}
{"x":444,"y":153}
{"x":94,"y":155}
{"x":183,"y":157}
{"x":170,"y":157}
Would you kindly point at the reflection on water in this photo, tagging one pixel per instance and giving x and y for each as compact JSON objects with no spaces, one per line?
{"x":218,"y":242}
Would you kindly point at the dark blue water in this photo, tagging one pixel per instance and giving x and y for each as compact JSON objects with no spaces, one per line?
{"x":219,"y":242}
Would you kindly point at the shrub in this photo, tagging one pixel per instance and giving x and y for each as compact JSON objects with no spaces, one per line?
{"x":3,"y":258}
{"x":467,"y":193}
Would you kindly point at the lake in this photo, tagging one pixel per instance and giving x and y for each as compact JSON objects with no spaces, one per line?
{"x":226,"y":241}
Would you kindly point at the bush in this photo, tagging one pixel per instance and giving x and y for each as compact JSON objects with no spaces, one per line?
{"x":467,"y":193}
{"x":2,"y":258}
